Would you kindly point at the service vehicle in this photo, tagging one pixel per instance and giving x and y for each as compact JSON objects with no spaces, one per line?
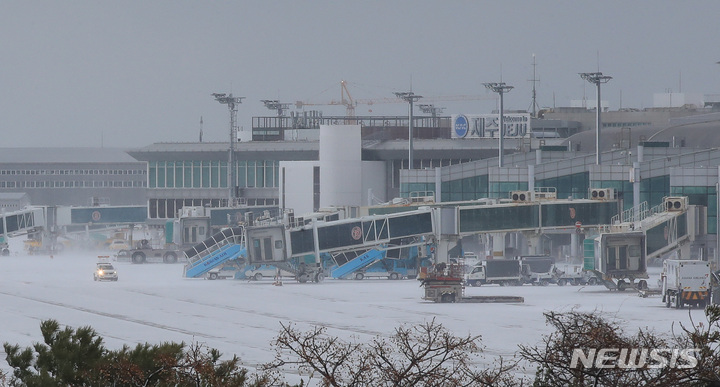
{"x":538,"y":269}
{"x":119,"y":244}
{"x":144,"y":252}
{"x":258,"y":272}
{"x":228,"y":270}
{"x":446,"y":283}
{"x":105,"y":271}
{"x":686,"y":282}
{"x":4,"y":246}
{"x":389,"y":268}
{"x":496,"y":271}
{"x":573,"y":275}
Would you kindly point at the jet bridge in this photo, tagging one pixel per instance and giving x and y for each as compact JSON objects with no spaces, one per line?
{"x":17,"y":222}
{"x":298,"y":249}
{"x":538,"y":215}
{"x":20,"y":222}
{"x":621,"y":251}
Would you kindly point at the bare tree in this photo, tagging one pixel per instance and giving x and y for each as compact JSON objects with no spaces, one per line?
{"x":630,"y":364}
{"x":424,"y":355}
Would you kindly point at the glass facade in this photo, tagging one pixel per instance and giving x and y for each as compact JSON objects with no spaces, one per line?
{"x":416,"y":189}
{"x":502,"y":189}
{"x":701,"y":196}
{"x":575,"y":185}
{"x":654,"y":189}
{"x":212,"y":174}
{"x":470,"y":188}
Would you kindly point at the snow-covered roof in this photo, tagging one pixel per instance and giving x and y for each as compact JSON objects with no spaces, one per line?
{"x":65,"y":155}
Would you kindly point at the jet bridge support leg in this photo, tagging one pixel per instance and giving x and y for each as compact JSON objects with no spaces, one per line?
{"x":498,"y":245}
{"x":533,"y":243}
{"x":443,"y":247}
{"x":574,"y":244}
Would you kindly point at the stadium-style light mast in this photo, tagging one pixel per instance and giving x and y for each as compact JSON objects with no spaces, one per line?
{"x":411,"y":98}
{"x":597,"y":79}
{"x":500,"y":88}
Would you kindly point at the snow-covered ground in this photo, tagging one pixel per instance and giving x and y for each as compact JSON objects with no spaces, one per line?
{"x":154,"y":303}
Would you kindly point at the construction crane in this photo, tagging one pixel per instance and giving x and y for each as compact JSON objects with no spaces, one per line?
{"x":276,"y":105}
{"x":350,"y":103}
{"x":431,"y":109}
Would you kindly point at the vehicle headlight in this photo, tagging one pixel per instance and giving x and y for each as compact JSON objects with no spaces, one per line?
{"x":101,"y":272}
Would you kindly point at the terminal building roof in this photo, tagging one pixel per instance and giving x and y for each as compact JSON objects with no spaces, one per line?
{"x":65,"y":155}
{"x":694,"y":132}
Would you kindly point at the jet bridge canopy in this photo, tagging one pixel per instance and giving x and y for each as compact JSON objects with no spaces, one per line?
{"x":363,"y":232}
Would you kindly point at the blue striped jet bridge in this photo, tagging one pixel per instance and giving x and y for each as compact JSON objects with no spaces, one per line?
{"x":20,"y":222}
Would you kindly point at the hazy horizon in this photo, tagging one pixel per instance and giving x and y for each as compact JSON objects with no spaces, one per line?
{"x":128,"y":74}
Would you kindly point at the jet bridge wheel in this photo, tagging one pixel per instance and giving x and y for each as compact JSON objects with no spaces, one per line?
{"x":621,"y":286}
{"x":170,"y":257}
{"x":5,"y":252}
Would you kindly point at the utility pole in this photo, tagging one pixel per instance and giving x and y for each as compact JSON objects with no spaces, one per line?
{"x":411,"y":98}
{"x":231,"y":102}
{"x":597,"y":79}
{"x":500,"y":88}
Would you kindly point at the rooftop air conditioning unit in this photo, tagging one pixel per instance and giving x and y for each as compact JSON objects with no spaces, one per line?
{"x":521,"y":196}
{"x":678,"y":203}
{"x":602,"y":193}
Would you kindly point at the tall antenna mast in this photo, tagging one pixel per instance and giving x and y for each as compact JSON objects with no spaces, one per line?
{"x":534,"y":105}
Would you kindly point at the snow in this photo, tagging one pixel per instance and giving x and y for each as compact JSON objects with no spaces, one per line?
{"x":154,"y":303}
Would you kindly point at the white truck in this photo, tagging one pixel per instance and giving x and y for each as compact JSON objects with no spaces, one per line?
{"x":496,"y":271}
{"x":685,"y":282}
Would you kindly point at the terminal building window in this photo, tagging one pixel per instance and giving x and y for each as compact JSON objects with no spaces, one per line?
{"x":212,"y":174}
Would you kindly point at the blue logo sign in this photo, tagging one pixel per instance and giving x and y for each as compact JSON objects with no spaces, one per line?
{"x":461,"y":126}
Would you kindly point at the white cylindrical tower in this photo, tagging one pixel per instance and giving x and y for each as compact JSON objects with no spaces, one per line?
{"x":340,"y":165}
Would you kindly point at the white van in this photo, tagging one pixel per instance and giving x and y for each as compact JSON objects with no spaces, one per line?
{"x":257,"y":273}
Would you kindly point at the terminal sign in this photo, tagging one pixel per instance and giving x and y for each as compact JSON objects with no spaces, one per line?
{"x":461,"y":126}
{"x":487,"y":125}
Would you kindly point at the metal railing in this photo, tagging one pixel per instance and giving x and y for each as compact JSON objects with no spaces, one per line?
{"x":232,"y":235}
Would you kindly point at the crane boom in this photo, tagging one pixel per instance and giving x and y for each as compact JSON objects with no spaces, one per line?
{"x":347,"y":100}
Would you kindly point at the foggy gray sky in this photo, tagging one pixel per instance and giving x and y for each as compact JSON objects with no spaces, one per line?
{"x":130,"y":73}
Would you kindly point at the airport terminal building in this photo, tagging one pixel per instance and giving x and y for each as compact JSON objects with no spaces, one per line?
{"x":290,"y":163}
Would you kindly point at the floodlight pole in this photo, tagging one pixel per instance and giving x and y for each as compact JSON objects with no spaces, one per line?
{"x":597,"y":79}
{"x":500,"y":88}
{"x":231,"y":102}
{"x":411,"y":98}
